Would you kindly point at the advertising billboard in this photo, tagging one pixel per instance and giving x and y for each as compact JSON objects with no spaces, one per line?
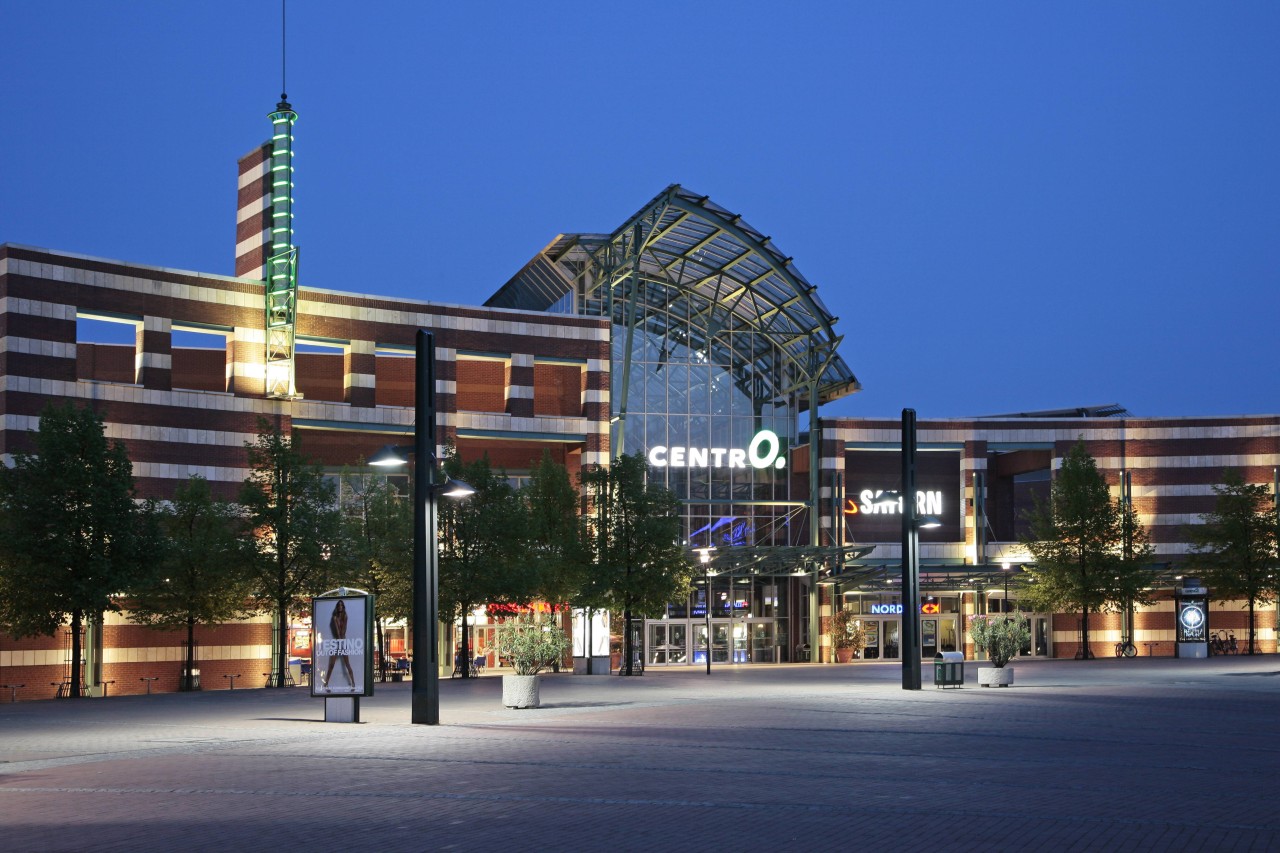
{"x":342,"y":644}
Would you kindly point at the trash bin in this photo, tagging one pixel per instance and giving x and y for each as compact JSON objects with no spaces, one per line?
{"x":948,"y":669}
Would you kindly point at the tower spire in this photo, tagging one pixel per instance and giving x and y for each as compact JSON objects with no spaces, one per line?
{"x":282,"y":264}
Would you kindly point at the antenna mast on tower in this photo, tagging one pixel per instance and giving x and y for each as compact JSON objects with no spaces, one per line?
{"x":282,"y":264}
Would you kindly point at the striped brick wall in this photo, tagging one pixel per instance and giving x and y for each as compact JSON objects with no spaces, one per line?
{"x":1174,"y":462}
{"x":253,"y":213}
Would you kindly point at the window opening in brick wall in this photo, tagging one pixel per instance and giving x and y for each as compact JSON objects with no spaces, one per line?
{"x":105,"y":348}
{"x":320,"y":371}
{"x":199,"y":358}
{"x":393,"y":376}
{"x":482,"y":384}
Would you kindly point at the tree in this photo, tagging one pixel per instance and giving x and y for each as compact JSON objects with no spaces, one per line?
{"x":555,"y":540}
{"x":1235,"y":545}
{"x":479,"y":543}
{"x":378,"y":545}
{"x":73,"y":533}
{"x":639,"y":564}
{"x":1089,"y":551}
{"x":203,"y":578}
{"x":292,"y":510}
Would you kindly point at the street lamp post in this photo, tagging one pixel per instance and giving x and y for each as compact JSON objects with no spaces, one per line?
{"x":1005,"y":567}
{"x":705,"y":556}
{"x":426,"y":558}
{"x":425,"y":708}
{"x":910,"y":557}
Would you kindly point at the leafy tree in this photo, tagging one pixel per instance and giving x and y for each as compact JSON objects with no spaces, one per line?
{"x":639,"y":564}
{"x":1088,"y":549}
{"x":1235,"y":546}
{"x":479,"y":542}
{"x":378,"y":545}
{"x":73,"y":534}
{"x":554,"y":539}
{"x":291,"y":507}
{"x":203,"y":578}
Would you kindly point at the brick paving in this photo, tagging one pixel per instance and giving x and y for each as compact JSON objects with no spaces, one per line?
{"x":1141,"y":754}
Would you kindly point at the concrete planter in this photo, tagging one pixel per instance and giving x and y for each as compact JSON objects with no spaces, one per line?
{"x":520,"y":691}
{"x":990,"y":676}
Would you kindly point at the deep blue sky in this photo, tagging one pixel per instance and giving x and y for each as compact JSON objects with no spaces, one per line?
{"x":1009,"y":206}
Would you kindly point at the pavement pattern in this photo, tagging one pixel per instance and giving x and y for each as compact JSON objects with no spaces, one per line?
{"x":1139,"y":754}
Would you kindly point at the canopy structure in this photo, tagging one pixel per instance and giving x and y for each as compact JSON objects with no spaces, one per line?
{"x":689,"y":271}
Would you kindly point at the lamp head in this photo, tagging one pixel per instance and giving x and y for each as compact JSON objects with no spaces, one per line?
{"x":389,"y":456}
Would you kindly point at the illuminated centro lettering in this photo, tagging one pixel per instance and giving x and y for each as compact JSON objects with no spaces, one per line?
{"x":927,"y":503}
{"x":765,"y":451}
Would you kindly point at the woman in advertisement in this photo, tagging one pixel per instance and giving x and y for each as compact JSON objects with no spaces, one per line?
{"x":336,"y":644}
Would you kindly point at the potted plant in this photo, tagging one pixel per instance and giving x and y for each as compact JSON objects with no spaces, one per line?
{"x":1000,"y":637}
{"x":848,"y":636}
{"x":531,"y":646}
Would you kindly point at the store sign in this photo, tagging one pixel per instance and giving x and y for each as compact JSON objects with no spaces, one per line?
{"x":873,"y":502}
{"x":929,"y":608}
{"x":765,"y":451}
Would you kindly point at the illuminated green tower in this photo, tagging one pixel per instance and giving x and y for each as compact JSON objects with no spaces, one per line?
{"x":282,"y":262}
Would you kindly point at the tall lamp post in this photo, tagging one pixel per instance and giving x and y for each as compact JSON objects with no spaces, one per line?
{"x":704,"y":554}
{"x":1005,"y":567}
{"x":426,"y":557}
{"x":911,"y":525}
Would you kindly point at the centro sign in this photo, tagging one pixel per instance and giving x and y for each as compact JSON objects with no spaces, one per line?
{"x":765,"y":451}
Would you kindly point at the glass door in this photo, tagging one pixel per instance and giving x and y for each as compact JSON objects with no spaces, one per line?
{"x":762,"y":645}
{"x":657,"y":645}
{"x":677,"y":643}
{"x":700,"y":642}
{"x":890,"y":646}
{"x":720,"y":642}
{"x":740,"y":651}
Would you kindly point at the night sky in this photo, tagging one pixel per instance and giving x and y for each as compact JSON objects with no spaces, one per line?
{"x":1009,"y":206}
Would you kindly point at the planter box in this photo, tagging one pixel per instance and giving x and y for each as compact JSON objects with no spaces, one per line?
{"x":990,"y":676}
{"x":520,"y":691}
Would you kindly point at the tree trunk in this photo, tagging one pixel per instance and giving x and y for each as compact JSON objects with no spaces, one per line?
{"x":1085,"y":652}
{"x":282,"y":645}
{"x":188,"y":677}
{"x":627,"y":652}
{"x":464,"y":657}
{"x":73,"y":689}
{"x":1251,"y":616}
{"x":382,"y":651}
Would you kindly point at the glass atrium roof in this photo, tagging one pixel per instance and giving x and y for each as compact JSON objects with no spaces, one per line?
{"x":694,"y":263}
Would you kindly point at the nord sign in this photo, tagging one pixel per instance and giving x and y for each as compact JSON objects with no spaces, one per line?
{"x":765,"y":451}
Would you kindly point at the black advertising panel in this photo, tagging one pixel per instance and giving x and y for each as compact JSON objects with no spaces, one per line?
{"x":869,"y":517}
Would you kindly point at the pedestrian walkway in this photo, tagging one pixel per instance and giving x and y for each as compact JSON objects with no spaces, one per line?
{"x":1157,"y":754}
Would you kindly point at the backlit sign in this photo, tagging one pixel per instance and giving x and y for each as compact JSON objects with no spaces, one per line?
{"x":929,"y":608}
{"x":765,"y":451}
{"x":874,"y":502}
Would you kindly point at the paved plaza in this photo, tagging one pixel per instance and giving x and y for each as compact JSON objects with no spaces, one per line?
{"x":1157,"y":754}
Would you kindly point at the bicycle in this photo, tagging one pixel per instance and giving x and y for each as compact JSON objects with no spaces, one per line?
{"x":1126,"y":649}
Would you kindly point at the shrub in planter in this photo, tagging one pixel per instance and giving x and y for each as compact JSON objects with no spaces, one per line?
{"x":531,"y":645}
{"x":848,"y":636}
{"x":999,"y":636}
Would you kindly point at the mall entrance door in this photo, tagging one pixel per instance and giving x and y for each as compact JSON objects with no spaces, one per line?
{"x":680,"y":642}
{"x":937,"y":634}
